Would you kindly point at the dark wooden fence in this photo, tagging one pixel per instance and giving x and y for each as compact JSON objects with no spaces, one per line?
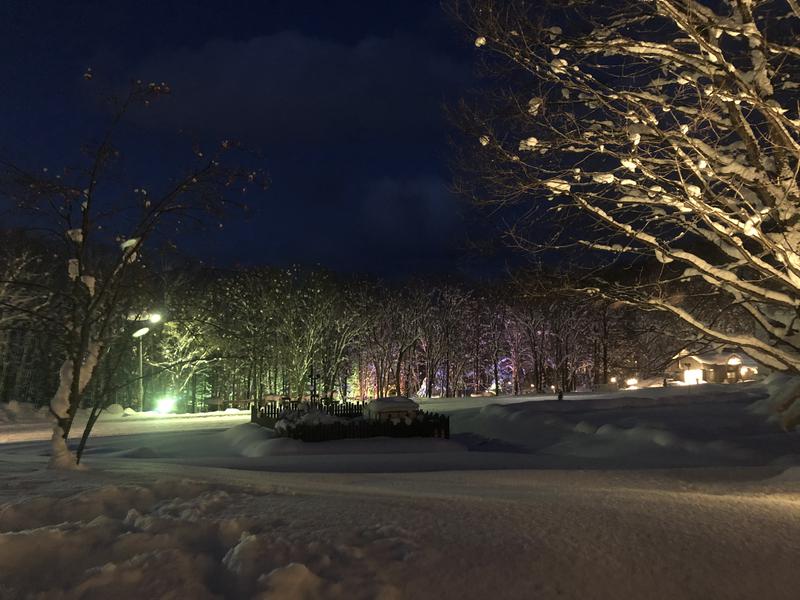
{"x":346,"y":410}
{"x":426,"y":425}
{"x":430,"y":425}
{"x":266,"y":416}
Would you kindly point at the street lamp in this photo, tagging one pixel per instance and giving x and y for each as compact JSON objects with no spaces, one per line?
{"x":139,"y":334}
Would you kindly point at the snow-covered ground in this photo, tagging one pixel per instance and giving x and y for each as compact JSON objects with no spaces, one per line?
{"x":671,"y":493}
{"x":23,"y":423}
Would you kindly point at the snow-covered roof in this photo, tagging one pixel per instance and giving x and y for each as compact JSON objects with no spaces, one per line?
{"x":720,"y":356}
{"x":392,"y":404}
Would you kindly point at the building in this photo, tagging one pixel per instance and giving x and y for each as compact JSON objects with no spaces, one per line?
{"x":722,"y":365}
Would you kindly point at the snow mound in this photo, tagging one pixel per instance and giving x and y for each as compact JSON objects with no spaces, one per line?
{"x":129,"y":412}
{"x":392,"y":404}
{"x":640,"y":443}
{"x":782,"y":403}
{"x":253,"y":441}
{"x":702,"y":425}
{"x":22,"y":412}
{"x":141,"y":452}
{"x":183,"y":539}
{"x":295,"y":580}
{"x":791,"y":475}
{"x":305,"y":416}
{"x":115,"y":409}
{"x":248,"y":439}
{"x":585,"y":427}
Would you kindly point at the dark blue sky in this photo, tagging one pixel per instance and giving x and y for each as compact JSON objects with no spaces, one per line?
{"x":343,"y":98}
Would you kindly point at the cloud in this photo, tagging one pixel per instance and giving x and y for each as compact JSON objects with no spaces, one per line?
{"x":353,"y":135}
{"x":292,"y":89}
{"x":380,"y":225}
{"x":416,"y":209}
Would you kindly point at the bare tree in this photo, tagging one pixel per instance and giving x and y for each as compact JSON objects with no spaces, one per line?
{"x":667,"y":129}
{"x":106,"y":226}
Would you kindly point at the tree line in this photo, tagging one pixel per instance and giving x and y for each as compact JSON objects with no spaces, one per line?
{"x":228,"y":337}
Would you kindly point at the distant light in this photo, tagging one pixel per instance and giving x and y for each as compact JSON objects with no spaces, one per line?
{"x":155,"y":318}
{"x":734,"y":361}
{"x":631,"y":382}
{"x":745,"y":371}
{"x":140,"y":332}
{"x":613,"y":380}
{"x":693,"y":376}
{"x":166,"y":404}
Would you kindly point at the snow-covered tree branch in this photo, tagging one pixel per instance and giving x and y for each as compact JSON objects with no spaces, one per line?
{"x":666,"y":129}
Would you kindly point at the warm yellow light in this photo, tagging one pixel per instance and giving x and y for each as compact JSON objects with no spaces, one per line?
{"x":155,"y":318}
{"x":631,"y":382}
{"x":734,"y":360}
{"x":748,"y":371}
{"x":613,"y":380}
{"x":693,"y":376}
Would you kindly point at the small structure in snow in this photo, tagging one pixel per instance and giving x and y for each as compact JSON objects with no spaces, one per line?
{"x":722,"y":365}
{"x":394,"y":407}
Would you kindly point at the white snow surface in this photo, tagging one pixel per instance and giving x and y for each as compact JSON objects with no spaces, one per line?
{"x":658,"y":493}
{"x":392,"y":404}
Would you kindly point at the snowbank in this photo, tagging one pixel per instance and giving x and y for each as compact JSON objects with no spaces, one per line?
{"x":305,"y":416}
{"x":640,"y":443}
{"x":248,"y":439}
{"x":782,"y":404}
{"x":392,"y":404}
{"x":512,"y":534}
{"x":682,"y":426}
{"x":22,"y":412}
{"x":25,"y":424}
{"x":253,"y":441}
{"x":180,"y":538}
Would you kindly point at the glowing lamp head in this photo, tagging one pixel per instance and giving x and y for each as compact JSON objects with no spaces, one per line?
{"x":155,"y":318}
{"x":631,"y":382}
{"x":140,"y":332}
{"x":734,"y":361}
{"x":613,"y":380}
{"x":166,"y":404}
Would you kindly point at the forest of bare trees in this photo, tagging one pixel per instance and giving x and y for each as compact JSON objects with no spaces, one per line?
{"x":665,"y":130}
{"x":229,"y":337}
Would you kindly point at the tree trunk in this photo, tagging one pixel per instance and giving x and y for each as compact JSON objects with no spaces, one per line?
{"x":496,"y":372}
{"x":398,"y":371}
{"x":194,"y":392}
{"x":447,"y":377}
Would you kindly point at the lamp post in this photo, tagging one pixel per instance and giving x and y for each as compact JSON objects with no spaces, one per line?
{"x":139,"y":334}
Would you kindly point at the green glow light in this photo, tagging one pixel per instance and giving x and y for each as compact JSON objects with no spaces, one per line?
{"x":166,"y":404}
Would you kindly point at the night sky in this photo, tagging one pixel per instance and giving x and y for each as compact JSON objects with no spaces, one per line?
{"x":344,"y":99}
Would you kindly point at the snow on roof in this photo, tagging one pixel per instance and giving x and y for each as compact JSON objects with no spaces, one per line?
{"x":392,"y":404}
{"x":720,"y":356}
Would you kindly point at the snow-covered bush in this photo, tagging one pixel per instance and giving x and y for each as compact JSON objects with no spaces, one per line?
{"x":305,"y":415}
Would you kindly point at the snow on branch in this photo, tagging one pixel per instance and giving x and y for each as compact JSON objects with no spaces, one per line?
{"x":673,"y":125}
